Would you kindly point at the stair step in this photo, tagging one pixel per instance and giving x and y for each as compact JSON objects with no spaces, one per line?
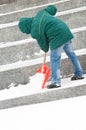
{"x":12,"y":52}
{"x":11,"y":7}
{"x":20,"y":72}
{"x":19,"y":60}
{"x":25,"y":95}
{"x":15,"y":15}
{"x":15,"y":34}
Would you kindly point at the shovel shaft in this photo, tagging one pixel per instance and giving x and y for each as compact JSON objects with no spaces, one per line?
{"x":44,"y":58}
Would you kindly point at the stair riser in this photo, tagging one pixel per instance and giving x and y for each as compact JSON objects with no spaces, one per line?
{"x":21,"y":75}
{"x":18,"y":6}
{"x":44,"y":97}
{"x":15,"y":34}
{"x":14,"y":16}
{"x":28,"y":50}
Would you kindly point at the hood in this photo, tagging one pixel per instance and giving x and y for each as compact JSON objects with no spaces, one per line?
{"x":25,"y":25}
{"x":51,"y":9}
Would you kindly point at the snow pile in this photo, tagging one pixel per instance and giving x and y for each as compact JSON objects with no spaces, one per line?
{"x":67,"y":114}
{"x":36,"y":81}
{"x":34,"y":87}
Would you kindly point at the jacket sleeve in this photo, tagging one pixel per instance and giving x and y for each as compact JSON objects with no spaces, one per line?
{"x":43,"y":43}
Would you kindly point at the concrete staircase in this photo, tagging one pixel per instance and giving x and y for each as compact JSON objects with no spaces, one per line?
{"x":22,"y":95}
{"x":9,"y":20}
{"x":19,"y":59}
{"x":20,"y":54}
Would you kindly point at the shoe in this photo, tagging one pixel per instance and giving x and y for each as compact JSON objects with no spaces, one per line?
{"x":53,"y":86}
{"x":77,"y":77}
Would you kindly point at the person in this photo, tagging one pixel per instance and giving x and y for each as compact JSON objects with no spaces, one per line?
{"x":54,"y":34}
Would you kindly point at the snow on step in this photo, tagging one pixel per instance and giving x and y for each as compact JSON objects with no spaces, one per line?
{"x":69,"y":114}
{"x":30,"y":89}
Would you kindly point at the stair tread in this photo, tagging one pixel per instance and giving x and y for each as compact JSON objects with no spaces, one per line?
{"x":26,"y":90}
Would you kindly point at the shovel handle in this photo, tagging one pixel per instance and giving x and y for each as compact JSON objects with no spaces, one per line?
{"x":44,"y":58}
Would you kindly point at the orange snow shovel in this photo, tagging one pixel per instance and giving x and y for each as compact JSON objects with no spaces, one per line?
{"x":44,"y":69}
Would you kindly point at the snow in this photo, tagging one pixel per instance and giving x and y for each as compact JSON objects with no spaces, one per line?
{"x":66,"y":114}
{"x":34,"y":87}
{"x":15,"y":43}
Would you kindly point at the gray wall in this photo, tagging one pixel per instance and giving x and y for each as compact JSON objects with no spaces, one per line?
{"x":7,"y":1}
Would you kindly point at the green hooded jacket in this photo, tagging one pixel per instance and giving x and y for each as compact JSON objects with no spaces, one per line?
{"x":48,"y":30}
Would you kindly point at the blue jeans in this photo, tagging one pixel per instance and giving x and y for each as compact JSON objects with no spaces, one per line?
{"x":55,"y":57}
